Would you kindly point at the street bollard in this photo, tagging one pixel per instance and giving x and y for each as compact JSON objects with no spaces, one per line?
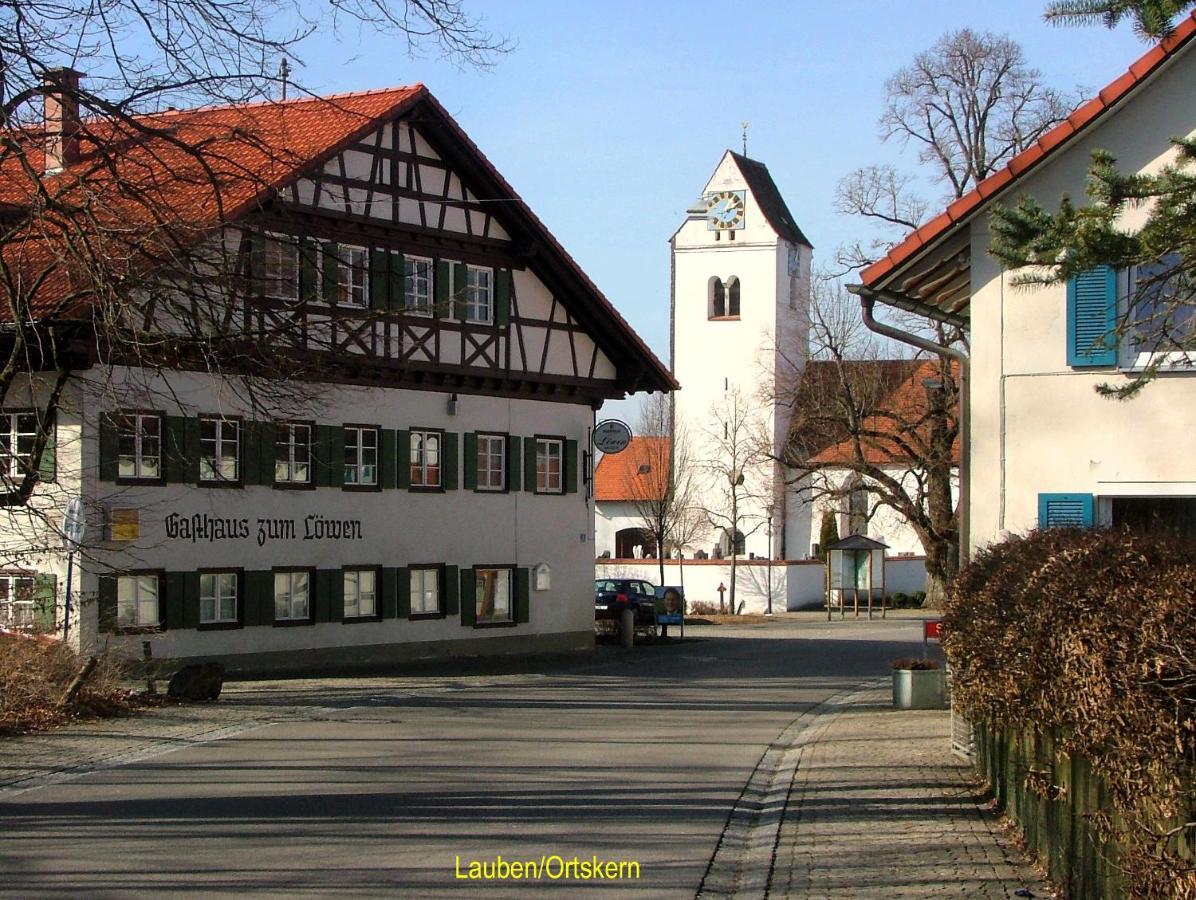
{"x":627,"y":627}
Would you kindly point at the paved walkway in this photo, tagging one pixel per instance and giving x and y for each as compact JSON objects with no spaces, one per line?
{"x":879,"y":808}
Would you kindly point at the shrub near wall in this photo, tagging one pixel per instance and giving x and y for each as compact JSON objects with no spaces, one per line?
{"x":1074,"y":652}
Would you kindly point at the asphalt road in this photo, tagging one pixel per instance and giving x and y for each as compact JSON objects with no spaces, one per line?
{"x":394,"y":786}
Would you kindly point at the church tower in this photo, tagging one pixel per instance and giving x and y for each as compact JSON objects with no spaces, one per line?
{"x":739,"y":310}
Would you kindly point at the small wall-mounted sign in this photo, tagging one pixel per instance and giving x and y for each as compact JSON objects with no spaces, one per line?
{"x":611,"y":436}
{"x":124,"y":524}
{"x":542,"y":577}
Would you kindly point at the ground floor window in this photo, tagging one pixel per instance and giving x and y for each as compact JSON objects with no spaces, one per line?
{"x":137,"y":601}
{"x":292,"y":595}
{"x":425,"y":591}
{"x":492,"y":594}
{"x":1156,"y":513}
{"x":16,"y":601}
{"x":217,"y":598}
{"x":361,"y":594}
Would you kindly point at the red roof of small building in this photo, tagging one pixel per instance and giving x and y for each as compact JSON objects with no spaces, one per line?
{"x":618,"y":476}
{"x":1081,"y":118}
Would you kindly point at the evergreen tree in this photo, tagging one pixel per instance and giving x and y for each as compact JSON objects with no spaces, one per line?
{"x":828,"y":532}
{"x":1152,"y":19}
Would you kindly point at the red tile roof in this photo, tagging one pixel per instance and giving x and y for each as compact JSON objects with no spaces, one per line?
{"x":903,"y":403}
{"x":618,"y":477}
{"x":1028,"y":159}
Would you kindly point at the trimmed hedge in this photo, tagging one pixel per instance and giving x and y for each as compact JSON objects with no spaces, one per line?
{"x":1087,"y":640}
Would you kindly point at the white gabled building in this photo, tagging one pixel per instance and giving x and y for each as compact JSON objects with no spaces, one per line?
{"x":426,"y":492}
{"x":1046,"y":449}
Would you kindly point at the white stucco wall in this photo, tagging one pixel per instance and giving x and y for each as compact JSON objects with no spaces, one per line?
{"x":1038,"y":425}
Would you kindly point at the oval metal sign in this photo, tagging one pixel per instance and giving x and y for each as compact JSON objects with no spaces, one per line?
{"x":611,"y":436}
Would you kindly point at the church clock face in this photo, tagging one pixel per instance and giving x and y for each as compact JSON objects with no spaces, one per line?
{"x":724,"y":210}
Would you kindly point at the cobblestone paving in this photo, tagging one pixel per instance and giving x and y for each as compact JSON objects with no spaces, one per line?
{"x":879,"y":808}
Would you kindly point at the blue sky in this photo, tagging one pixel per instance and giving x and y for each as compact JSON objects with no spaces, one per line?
{"x":609,"y":117}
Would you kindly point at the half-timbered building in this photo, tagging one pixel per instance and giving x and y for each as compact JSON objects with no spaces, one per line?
{"x":368,"y":442}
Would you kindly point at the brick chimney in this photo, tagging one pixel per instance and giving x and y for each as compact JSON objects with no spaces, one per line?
{"x":61,"y":87}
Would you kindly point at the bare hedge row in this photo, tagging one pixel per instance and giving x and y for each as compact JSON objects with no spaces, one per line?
{"x":1090,"y":636}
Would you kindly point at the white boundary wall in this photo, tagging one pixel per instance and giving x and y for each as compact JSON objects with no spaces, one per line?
{"x":795,"y":584}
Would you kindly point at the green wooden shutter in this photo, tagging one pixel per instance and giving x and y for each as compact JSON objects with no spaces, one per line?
{"x":109,"y":448}
{"x":329,"y":451}
{"x":502,"y":297}
{"x":336,"y":595}
{"x":379,"y":280}
{"x":106,"y":604}
{"x":320,"y":585}
{"x":45,"y":601}
{"x":387,"y":464}
{"x":448,"y":461}
{"x":529,"y":465}
{"x":1091,"y":318}
{"x":404,"y":604}
{"x":440,"y":289}
{"x":47,"y":469}
{"x":450,"y":585}
{"x":175,"y":592}
{"x":514,"y":463}
{"x":570,"y":467}
{"x":330,"y":273}
{"x":190,"y":599}
{"x":259,"y":597}
{"x":470,"y":461}
{"x":174,"y":447}
{"x":390,"y":592}
{"x":460,"y":290}
{"x":403,"y":455}
{"x":162,"y":598}
{"x":1066,"y":511}
{"x":308,"y":271}
{"x":468,"y":598}
{"x":257,"y":263}
{"x":523,"y":582}
{"x":398,"y":281}
{"x":257,"y":452}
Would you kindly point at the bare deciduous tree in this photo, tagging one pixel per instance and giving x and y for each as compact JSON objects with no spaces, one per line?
{"x":967,"y":106}
{"x":735,"y":467}
{"x":888,"y":426}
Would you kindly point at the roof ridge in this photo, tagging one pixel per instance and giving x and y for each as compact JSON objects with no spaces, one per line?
{"x":307,"y":98}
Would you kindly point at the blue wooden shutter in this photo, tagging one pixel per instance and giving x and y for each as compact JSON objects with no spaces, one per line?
{"x":1091,"y":318}
{"x":1066,"y":511}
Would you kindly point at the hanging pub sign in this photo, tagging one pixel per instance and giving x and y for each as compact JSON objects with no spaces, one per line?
{"x":611,"y":436}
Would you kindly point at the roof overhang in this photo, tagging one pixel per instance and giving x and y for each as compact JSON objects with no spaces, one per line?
{"x":929,"y":272}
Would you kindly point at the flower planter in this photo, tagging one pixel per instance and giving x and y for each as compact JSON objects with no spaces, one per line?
{"x":919,"y":689}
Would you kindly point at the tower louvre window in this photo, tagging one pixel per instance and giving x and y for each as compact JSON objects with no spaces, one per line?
{"x":733,"y":296}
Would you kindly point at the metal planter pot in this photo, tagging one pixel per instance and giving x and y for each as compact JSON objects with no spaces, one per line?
{"x":919,"y":689}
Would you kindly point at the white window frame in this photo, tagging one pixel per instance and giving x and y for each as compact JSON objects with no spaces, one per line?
{"x":17,"y":601}
{"x":488,"y":477}
{"x":419,"y":464}
{"x":287,"y":596}
{"x":360,"y":602}
{"x":425,"y":593}
{"x":280,"y":265}
{"x":220,"y":443}
{"x":286,"y":437}
{"x":479,"y":295}
{"x":218,"y":592}
{"x":138,"y":596}
{"x":1131,"y":360}
{"x":419,"y":275}
{"x":352,"y":276}
{"x":545,"y":484}
{"x":141,"y":459}
{"x":361,"y":458}
{"x":15,"y":462}
{"x":503,"y":608}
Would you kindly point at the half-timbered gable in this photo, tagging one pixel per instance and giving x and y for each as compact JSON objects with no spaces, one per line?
{"x":415,"y":441}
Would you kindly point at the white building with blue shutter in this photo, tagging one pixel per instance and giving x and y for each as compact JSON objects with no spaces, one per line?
{"x":1046,"y":448}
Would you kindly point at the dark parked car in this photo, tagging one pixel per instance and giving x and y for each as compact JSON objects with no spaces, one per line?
{"x":613,"y":595}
